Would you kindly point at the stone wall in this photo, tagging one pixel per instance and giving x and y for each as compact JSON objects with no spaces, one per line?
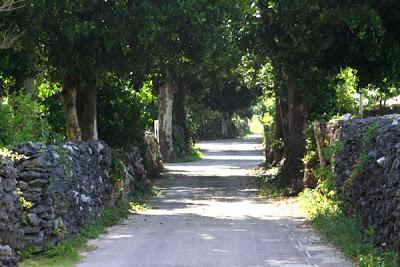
{"x":135,"y":172}
{"x":152,"y":155}
{"x":367,"y":168}
{"x":50,"y":194}
{"x":8,"y":212}
{"x":139,"y":167}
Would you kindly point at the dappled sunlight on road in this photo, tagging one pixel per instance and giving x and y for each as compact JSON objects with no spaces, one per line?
{"x":209,"y":214}
{"x":226,"y":158}
{"x":236,"y":201}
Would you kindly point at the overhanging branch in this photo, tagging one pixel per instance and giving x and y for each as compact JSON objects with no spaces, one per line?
{"x":9,"y":5}
{"x":9,"y":36}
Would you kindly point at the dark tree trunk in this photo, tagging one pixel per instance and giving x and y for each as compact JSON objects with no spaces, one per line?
{"x":309,"y":180}
{"x":277,"y":150}
{"x":269,"y":150}
{"x":282,"y":103}
{"x":319,"y":132}
{"x":292,"y":172}
{"x":19,"y":83}
{"x":284,"y":112}
{"x":224,"y":126}
{"x":227,"y":127}
{"x":181,"y":112}
{"x":68,"y":98}
{"x":280,"y":130}
{"x":166,"y":97}
{"x":231,"y":126}
{"x":87,"y":114}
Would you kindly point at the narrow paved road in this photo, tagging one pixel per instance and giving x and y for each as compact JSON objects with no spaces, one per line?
{"x":209,"y":215}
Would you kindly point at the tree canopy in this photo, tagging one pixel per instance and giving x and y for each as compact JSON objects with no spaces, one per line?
{"x":309,"y":59}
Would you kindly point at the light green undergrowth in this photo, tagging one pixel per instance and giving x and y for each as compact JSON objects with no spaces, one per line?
{"x":345,"y":232}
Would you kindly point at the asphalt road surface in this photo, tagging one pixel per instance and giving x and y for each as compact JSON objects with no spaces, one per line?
{"x":209,"y":215}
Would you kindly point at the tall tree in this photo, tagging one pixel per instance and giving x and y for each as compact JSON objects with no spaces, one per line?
{"x":18,"y":61}
{"x":181,"y":38}
{"x":307,"y":43}
{"x":79,"y":41}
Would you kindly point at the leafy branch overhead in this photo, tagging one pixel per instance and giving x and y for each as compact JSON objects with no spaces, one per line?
{"x":9,"y":36}
{"x":9,"y":5}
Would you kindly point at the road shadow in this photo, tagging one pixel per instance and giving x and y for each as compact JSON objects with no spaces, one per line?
{"x":205,"y":241}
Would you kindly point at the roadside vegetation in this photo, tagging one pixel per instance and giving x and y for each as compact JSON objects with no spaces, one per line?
{"x":192,"y":155}
{"x":326,"y":214}
{"x":268,"y":187}
{"x":345,"y":231}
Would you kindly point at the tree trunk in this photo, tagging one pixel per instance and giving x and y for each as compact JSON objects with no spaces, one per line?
{"x":309,"y":180}
{"x":224,"y":126}
{"x":269,"y":150}
{"x":180,"y":111}
{"x":167,"y":92}
{"x":19,"y":83}
{"x":68,"y":97}
{"x":87,"y":114}
{"x":297,"y":113}
{"x":281,"y":103}
{"x":284,"y":112}
{"x":230,"y":125}
{"x":319,"y":132}
{"x":227,"y":127}
{"x":277,"y":148}
{"x":29,"y":85}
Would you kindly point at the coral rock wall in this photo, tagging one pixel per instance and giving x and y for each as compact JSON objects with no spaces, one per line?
{"x":50,"y":194}
{"x":367,"y":168}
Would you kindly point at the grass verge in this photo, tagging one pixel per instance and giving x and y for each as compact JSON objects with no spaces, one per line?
{"x":345,"y":232}
{"x":67,"y":253}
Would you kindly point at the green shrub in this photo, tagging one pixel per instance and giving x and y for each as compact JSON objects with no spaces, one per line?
{"x":346,"y":89}
{"x":117,"y":166}
{"x":332,"y":149}
{"x":49,"y":95}
{"x":241,"y":125}
{"x":181,"y":149}
{"x":192,"y":155}
{"x":124,"y":113}
{"x":21,"y":120}
{"x":368,"y":133}
{"x":326,"y":214}
{"x":6,"y":114}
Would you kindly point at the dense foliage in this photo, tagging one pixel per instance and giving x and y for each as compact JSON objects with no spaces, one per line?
{"x":21,"y":119}
{"x":87,"y":69}
{"x":323,"y":54}
{"x":227,"y":56}
{"x":125,"y":113}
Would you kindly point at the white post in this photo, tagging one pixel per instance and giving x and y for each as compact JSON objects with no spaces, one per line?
{"x":157,"y":130}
